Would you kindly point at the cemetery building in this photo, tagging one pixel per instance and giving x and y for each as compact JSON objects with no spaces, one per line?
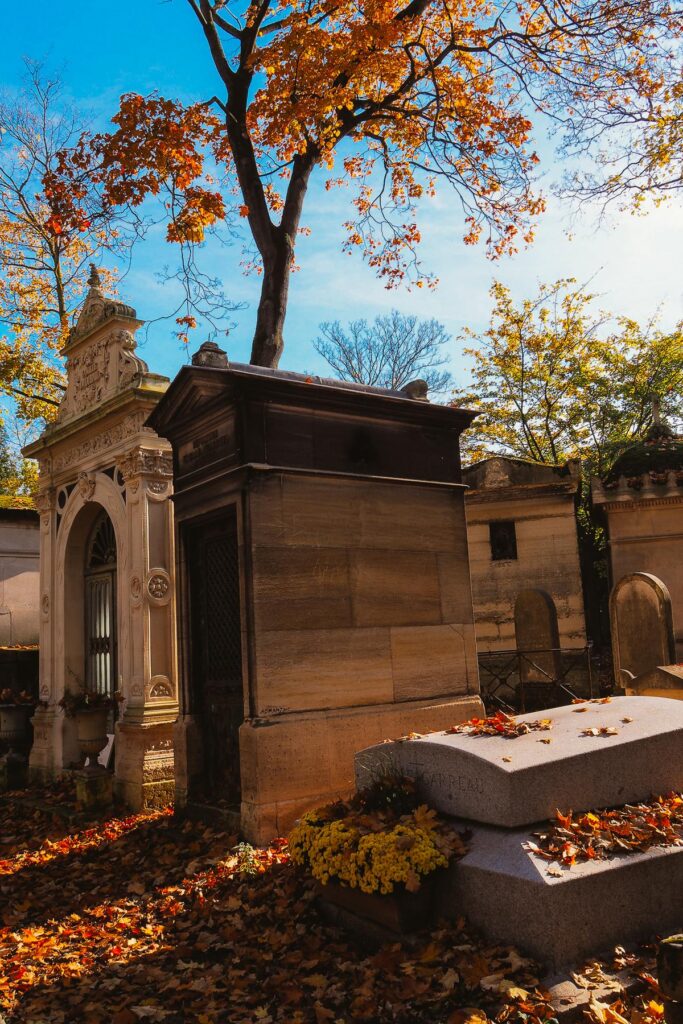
{"x":323,"y":581}
{"x":641,"y":500}
{"x":106,"y":593}
{"x":521,"y":527}
{"x":19,"y":593}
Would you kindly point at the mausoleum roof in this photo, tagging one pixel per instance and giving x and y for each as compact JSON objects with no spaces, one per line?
{"x":650,"y":455}
{"x":498,"y":475}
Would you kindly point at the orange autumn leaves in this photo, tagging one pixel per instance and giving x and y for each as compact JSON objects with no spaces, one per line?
{"x":158,"y":149}
{"x":416,"y":93}
{"x":599,"y":834}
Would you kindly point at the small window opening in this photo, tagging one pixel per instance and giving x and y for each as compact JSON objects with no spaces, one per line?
{"x":503,"y":541}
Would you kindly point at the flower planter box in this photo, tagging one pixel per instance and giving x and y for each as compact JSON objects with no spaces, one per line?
{"x":399,"y":911}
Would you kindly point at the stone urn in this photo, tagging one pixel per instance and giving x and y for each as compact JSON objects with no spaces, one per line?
{"x":91,"y":732}
{"x":670,"y":977}
{"x":14,"y":727}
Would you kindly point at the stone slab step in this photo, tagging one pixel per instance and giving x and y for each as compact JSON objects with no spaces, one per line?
{"x":506,"y":892}
{"x":515,"y":782}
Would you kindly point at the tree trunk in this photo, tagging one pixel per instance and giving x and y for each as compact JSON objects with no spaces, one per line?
{"x":277,"y":257}
{"x":268,"y":341}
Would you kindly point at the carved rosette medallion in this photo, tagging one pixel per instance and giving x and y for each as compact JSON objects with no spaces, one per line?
{"x":159,"y":586}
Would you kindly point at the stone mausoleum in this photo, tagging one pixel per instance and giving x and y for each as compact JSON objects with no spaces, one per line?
{"x":323,"y":581}
{"x":641,"y":499}
{"x":521,"y":524}
{"x":107,"y":606}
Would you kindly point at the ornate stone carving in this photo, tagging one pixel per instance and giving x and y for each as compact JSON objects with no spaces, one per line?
{"x":45,"y":500}
{"x":86,"y":485}
{"x":97,"y":309}
{"x":130,"y":365}
{"x":159,"y":686}
{"x":157,"y":486}
{"x":128,"y":427}
{"x":88,"y":377}
{"x":135,"y":588}
{"x":148,"y":461}
{"x":158,"y":584}
{"x":45,"y":604}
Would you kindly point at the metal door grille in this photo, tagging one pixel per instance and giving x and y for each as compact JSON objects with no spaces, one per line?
{"x":223,"y":633}
{"x":100,"y":607}
{"x":100,"y":637}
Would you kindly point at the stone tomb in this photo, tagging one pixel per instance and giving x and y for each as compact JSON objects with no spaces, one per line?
{"x":641,"y":621}
{"x":537,"y":637}
{"x":501,"y":886}
{"x":324,"y":598}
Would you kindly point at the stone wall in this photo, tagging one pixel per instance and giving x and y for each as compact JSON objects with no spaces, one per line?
{"x":19,"y":577}
{"x":645,"y":534}
{"x":543,"y":513}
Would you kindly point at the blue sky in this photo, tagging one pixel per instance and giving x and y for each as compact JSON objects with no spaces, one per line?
{"x":104,"y":49}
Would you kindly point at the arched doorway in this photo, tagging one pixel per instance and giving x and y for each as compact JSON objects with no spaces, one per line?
{"x":100,"y":607}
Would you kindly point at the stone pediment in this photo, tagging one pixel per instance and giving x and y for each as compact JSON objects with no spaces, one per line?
{"x":100,"y":353}
{"x":187,"y":395}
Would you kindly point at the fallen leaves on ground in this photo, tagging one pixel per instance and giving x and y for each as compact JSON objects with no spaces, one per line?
{"x":597,"y":835}
{"x":601,"y":730}
{"x":149,"y":918}
{"x":500,"y":724}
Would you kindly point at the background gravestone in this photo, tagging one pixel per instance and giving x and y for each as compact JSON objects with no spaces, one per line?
{"x":642,"y":626}
{"x":537,"y":637}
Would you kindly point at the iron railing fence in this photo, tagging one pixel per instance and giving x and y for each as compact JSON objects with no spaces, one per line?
{"x":513,"y":680}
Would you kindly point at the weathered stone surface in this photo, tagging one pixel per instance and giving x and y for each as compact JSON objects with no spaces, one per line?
{"x":514,"y":782}
{"x":313,"y":751}
{"x":642,"y":627}
{"x":662,"y":681}
{"x":94,"y":789}
{"x":507,"y":892}
{"x":537,"y":637}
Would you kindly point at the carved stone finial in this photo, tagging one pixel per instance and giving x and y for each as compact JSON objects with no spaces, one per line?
{"x":417,"y":390}
{"x":210,"y":354}
{"x":94,"y":279}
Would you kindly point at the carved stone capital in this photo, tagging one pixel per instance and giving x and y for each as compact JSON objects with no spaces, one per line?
{"x":151,"y":462}
{"x":46,"y":500}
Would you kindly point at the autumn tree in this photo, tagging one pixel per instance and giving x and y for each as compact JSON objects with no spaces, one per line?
{"x":555,"y":379}
{"x":388,"y":353}
{"x":43,"y":271}
{"x":394,"y":98}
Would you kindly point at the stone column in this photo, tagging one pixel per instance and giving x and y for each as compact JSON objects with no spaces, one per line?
{"x":45,"y":752}
{"x":149,"y":677}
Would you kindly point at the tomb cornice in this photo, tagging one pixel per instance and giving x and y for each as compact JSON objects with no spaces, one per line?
{"x":250,"y":384}
{"x":635,"y":503}
{"x":137,"y":400}
{"x":257,"y":468}
{"x":499,"y":495}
